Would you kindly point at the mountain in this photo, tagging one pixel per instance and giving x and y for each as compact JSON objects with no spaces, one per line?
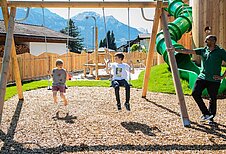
{"x":55,"y":22}
{"x":86,"y":26}
{"x":52,"y":20}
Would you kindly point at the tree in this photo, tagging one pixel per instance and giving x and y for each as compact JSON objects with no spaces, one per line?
{"x":75,"y":43}
{"x":135,"y":47}
{"x":101,"y":44}
{"x":111,"y":41}
{"x":143,"y":49}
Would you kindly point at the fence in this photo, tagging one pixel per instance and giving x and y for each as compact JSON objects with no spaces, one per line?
{"x":34,"y":67}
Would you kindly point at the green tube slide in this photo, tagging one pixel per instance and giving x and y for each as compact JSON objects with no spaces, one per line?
{"x":182,"y":24}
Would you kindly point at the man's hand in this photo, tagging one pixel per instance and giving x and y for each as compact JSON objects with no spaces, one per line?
{"x":106,"y":60}
{"x":130,"y":62}
{"x":217,"y":77}
{"x":106,"y":50}
{"x":171,"y":49}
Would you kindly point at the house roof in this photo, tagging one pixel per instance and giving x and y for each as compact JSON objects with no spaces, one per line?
{"x":143,"y":36}
{"x":131,"y":42}
{"x":102,"y":49}
{"x":34,"y":31}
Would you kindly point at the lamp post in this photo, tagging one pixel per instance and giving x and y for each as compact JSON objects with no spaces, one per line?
{"x":96,"y":46}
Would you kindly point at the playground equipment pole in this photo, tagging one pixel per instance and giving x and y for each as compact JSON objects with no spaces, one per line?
{"x":16,"y":69}
{"x":174,"y":69}
{"x":6,"y":59}
{"x":87,"y":4}
{"x":96,"y":51}
{"x":96,"y":45}
{"x":150,"y":55}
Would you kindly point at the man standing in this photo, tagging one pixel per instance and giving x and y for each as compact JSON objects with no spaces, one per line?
{"x":210,"y":77}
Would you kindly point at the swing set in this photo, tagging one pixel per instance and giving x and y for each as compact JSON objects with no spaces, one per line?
{"x":159,"y":5}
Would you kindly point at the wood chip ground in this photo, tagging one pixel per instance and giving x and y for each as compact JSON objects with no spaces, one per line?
{"x":95,"y":126}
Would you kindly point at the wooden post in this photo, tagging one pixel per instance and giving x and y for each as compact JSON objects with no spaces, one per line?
{"x":174,"y":69}
{"x":96,"y":52}
{"x":151,"y":51}
{"x":16,"y":69}
{"x":6,"y":60}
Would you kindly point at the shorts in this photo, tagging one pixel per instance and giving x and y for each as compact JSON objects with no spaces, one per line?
{"x":62,"y":89}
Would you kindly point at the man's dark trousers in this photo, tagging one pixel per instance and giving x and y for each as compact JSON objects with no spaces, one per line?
{"x":212,"y":89}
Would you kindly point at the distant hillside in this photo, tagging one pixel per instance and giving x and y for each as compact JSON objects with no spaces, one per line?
{"x":120,"y":30}
{"x":55,"y":22}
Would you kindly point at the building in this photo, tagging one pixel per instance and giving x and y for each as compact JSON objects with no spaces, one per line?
{"x":142,"y":40}
{"x":35,"y":39}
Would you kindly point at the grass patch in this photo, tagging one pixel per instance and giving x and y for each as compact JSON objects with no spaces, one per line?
{"x":223,"y":69}
{"x":161,"y":81}
{"x":12,"y":90}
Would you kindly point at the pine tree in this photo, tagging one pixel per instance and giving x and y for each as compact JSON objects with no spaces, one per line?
{"x":111,"y":41}
{"x":101,"y":44}
{"x":75,"y":43}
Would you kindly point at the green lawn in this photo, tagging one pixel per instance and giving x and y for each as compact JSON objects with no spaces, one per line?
{"x":12,"y":90}
{"x":160,"y":81}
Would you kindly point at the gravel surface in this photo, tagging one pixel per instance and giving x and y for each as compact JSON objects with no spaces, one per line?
{"x":95,"y":126}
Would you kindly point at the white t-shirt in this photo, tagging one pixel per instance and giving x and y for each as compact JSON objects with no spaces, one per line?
{"x":120,"y":71}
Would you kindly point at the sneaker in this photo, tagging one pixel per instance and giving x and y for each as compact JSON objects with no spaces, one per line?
{"x":127,"y":105}
{"x":57,"y":114}
{"x":211,"y":123}
{"x":119,"y":106}
{"x":206,"y":117}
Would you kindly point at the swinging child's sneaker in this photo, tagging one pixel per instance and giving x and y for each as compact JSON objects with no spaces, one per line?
{"x":211,"y":122}
{"x":119,"y":107}
{"x":127,"y":105}
{"x":206,"y":117}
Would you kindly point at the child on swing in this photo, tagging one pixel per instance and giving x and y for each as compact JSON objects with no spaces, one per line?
{"x":59,"y":75}
{"x":120,"y":77}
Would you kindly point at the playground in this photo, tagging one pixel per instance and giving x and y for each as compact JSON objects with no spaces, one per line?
{"x":94,"y":124}
{"x":157,"y":122}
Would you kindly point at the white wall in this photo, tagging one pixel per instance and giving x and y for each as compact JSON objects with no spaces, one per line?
{"x":37,"y":48}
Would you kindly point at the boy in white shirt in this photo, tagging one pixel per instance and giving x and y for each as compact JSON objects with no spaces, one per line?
{"x":120,"y":78}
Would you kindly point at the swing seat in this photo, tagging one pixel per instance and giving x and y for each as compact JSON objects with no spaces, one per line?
{"x":123,"y":86}
{"x":49,"y":88}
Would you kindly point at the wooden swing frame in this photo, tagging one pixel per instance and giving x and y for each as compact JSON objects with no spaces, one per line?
{"x":159,"y":11}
